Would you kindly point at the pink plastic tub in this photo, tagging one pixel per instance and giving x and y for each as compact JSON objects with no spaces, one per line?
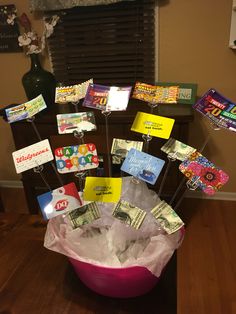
{"x":115,"y":282}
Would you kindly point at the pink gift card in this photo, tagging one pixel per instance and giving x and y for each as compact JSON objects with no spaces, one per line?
{"x":203,"y":174}
{"x":76,"y":158}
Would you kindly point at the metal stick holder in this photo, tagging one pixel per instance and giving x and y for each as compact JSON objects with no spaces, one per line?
{"x":31,"y":121}
{"x":81,"y":175}
{"x":75,"y":104}
{"x":39,"y":170}
{"x":171,"y":158}
{"x":106,"y":114}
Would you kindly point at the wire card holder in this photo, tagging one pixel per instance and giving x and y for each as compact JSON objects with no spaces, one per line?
{"x":39,"y":169}
{"x":191,"y":184}
{"x":81,"y":175}
{"x":106,"y":114}
{"x":32,"y":123}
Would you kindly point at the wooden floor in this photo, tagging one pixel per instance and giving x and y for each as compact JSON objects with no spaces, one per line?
{"x":206,"y":260}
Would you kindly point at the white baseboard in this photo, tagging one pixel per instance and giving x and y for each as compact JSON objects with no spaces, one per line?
{"x":11,"y":184}
{"x":223,"y":196}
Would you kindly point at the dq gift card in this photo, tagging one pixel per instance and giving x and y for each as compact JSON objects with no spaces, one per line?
{"x":76,"y":158}
{"x":121,"y":147}
{"x":203,"y":173}
{"x":155,"y":94}
{"x":153,"y":125}
{"x":26,"y":110}
{"x":71,"y":93}
{"x":102,"y":189}
{"x":59,"y":201}
{"x":220,"y":110}
{"x":107,"y":98}
{"x":176,"y":149}
{"x":81,"y":122}
{"x":142,"y":166}
{"x":32,"y":156}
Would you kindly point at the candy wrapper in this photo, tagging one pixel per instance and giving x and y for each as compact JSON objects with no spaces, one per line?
{"x":109,"y":242}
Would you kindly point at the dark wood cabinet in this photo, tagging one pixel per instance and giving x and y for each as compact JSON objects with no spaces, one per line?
{"x":120,"y":123}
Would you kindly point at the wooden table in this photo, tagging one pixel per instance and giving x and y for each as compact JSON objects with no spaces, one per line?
{"x":35,"y":280}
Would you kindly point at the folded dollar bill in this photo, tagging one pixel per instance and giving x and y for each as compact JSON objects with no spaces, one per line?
{"x":167,"y":217}
{"x":129,"y":214}
{"x":84,"y":215}
{"x":121,"y":147}
{"x":176,"y":149}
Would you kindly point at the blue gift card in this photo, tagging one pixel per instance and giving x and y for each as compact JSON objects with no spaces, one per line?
{"x":142,"y":166}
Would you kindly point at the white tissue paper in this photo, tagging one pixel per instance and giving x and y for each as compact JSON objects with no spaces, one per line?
{"x":108,"y":242}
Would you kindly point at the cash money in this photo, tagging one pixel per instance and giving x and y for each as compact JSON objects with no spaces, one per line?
{"x":121,"y":147}
{"x":167,"y":217}
{"x":176,"y":149}
{"x":129,"y":214}
{"x":84,"y":215}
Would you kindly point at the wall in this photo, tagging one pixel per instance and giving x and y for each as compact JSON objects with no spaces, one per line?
{"x":193,"y":47}
{"x":13,"y":66}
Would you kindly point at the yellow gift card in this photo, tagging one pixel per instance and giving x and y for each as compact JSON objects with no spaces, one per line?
{"x":102,"y":189}
{"x":153,"y":125}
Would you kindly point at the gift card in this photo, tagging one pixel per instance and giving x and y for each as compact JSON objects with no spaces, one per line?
{"x":155,"y":94}
{"x":107,"y":98}
{"x":80,"y":122}
{"x":187,"y":92}
{"x":203,"y":173}
{"x":121,"y":147}
{"x":129,"y":214}
{"x":220,"y":110}
{"x":84,"y":215}
{"x":102,"y":189}
{"x":142,"y":166}
{"x":71,"y":93}
{"x":167,"y":217}
{"x":32,"y":156}
{"x":26,"y":110}
{"x":176,"y":149}
{"x":76,"y":158}
{"x":153,"y":125}
{"x":59,"y":201}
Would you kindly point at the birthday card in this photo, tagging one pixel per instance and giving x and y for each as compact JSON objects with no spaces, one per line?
{"x":76,"y":158}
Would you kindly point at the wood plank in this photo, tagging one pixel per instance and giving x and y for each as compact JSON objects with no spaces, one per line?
{"x":207,"y":258}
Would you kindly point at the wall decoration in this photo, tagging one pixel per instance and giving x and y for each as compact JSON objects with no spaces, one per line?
{"x":9,"y":30}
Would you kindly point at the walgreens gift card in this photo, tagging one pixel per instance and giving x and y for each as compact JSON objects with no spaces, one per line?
{"x":32,"y":156}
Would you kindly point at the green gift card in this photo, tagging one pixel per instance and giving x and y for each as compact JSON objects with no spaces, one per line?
{"x":187,"y":92}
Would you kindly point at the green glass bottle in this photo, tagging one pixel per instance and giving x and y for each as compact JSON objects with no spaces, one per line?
{"x":39,"y":81}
